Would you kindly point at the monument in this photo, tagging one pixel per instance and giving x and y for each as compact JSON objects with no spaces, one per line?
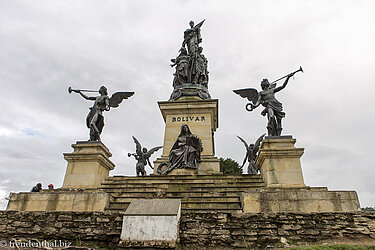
{"x":187,"y":177}
{"x":190,"y":104}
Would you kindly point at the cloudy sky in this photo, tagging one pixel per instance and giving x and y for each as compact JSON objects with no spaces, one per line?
{"x":47,"y":46}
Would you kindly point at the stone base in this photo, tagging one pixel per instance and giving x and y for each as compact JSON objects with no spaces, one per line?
{"x":59,"y":200}
{"x":279,"y":162}
{"x":184,"y":171}
{"x":202,"y":118}
{"x":209,"y":165}
{"x":88,"y":165}
{"x":292,"y":200}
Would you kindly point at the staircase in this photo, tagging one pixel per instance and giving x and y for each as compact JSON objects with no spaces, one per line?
{"x":197,"y":192}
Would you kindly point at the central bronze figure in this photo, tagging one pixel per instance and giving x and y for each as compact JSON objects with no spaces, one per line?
{"x":191,"y":76}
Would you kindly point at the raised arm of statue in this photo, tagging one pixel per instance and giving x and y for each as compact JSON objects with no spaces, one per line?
{"x":284,"y":84}
{"x":91,"y":98}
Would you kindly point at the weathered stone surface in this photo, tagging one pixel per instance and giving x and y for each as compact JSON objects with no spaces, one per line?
{"x":151,"y":220}
{"x":154,"y":207}
{"x":276,"y":200}
{"x":279,"y":163}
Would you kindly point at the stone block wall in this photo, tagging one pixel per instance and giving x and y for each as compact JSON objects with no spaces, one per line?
{"x":211,"y":230}
{"x":89,"y":229}
{"x":245,"y":230}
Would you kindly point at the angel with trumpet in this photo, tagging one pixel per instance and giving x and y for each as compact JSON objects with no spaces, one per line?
{"x":272,"y":107}
{"x":95,"y":118}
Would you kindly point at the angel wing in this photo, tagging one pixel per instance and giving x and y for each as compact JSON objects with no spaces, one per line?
{"x":250,"y":94}
{"x":151,"y":151}
{"x":247,"y":146}
{"x":117,"y":98}
{"x":138,"y":147}
{"x":257,"y":143}
{"x":244,"y":142}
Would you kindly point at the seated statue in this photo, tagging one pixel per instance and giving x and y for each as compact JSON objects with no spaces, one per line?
{"x":186,"y":151}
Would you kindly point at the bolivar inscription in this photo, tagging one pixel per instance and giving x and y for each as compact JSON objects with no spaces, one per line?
{"x":188,"y":118}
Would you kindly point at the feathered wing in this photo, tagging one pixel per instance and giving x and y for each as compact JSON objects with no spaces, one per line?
{"x":151,"y":151}
{"x":257,"y":143}
{"x":244,"y":142}
{"x":250,"y":94}
{"x":117,"y":98}
{"x":247,"y":148}
{"x":138,"y":147}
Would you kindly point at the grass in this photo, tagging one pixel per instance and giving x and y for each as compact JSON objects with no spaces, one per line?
{"x":336,"y":247}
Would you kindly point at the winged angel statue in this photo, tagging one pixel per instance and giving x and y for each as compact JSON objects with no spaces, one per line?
{"x":272,"y":107}
{"x":142,"y":155}
{"x":251,"y":154}
{"x":95,"y":118}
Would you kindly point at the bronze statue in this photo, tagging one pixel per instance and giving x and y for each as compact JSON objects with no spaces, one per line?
{"x":272,"y":107}
{"x":95,"y":118}
{"x":185,"y":152}
{"x":191,"y":76}
{"x":251,"y":154}
{"x":182,"y":68}
{"x":200,"y":71}
{"x":192,"y":37}
{"x":142,"y":155}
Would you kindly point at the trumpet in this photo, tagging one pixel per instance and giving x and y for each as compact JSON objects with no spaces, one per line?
{"x":300,"y":69}
{"x":70,"y":90}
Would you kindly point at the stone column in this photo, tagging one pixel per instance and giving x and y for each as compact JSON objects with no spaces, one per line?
{"x":88,"y":165}
{"x":279,"y":162}
{"x":202,"y":118}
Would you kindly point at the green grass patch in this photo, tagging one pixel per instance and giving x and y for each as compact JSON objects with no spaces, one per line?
{"x":336,"y":247}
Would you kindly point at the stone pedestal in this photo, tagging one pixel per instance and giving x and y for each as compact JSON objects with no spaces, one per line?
{"x":88,"y":165}
{"x":279,"y":162}
{"x":202,"y":118}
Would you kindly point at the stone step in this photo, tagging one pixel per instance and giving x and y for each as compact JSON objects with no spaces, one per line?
{"x":200,"y":210}
{"x":210,"y":205}
{"x":186,"y":205}
{"x":187,"y":180}
{"x":179,"y":185}
{"x":181,"y":189}
{"x":183,"y":177}
{"x":189,"y":199}
{"x":191,"y":210}
{"x":175,"y":194}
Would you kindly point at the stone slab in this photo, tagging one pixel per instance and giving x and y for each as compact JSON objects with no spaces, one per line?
{"x":151,"y":220}
{"x":154,"y":207}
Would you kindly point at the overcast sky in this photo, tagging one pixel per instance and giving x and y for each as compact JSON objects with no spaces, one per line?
{"x":47,"y":46}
